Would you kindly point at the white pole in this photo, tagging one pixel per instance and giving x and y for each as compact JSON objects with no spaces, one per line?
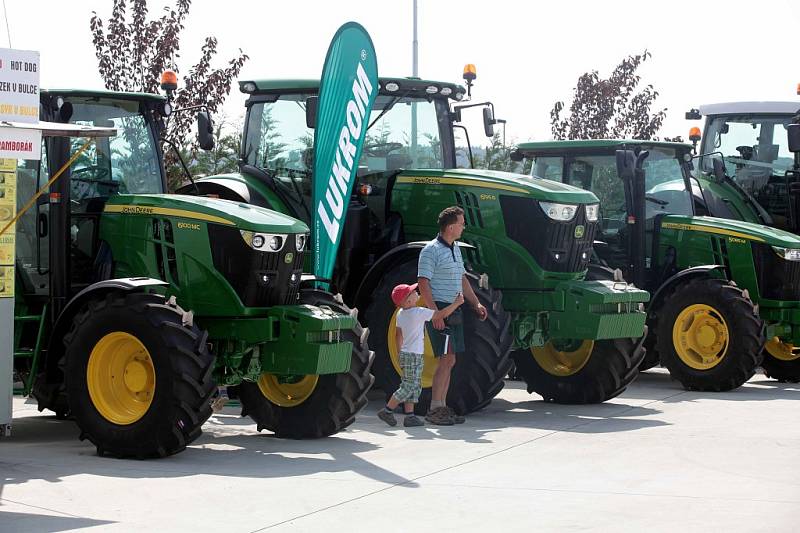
{"x":415,"y":73}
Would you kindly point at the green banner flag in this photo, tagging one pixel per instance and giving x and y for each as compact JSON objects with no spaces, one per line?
{"x":347,"y":90}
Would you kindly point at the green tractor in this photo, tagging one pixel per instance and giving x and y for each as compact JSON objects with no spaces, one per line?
{"x":527,"y":244}
{"x":749,"y":169}
{"x":716,"y":283}
{"x":133,"y":306}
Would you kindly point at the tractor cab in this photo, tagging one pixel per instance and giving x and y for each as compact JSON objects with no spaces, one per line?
{"x":745,"y":164}
{"x":669,"y":188}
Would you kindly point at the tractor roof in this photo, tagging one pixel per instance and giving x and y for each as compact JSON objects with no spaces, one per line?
{"x":95,"y":93}
{"x":415,"y":85}
{"x":592,"y":145}
{"x":746,"y":108}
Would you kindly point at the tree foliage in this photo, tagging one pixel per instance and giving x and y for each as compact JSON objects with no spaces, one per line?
{"x":610,"y":108}
{"x":133,"y":50}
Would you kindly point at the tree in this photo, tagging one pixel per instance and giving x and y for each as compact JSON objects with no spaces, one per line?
{"x":497,"y":156}
{"x":610,"y":108}
{"x":133,"y":53}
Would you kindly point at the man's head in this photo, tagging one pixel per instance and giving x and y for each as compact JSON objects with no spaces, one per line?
{"x":405,"y":296}
{"x":451,"y":223}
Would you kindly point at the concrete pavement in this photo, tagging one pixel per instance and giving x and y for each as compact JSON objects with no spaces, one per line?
{"x":657,"y":458}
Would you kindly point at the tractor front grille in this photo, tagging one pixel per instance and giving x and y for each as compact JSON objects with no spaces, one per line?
{"x":261,"y":279}
{"x":778,"y":279}
{"x":556,"y":246}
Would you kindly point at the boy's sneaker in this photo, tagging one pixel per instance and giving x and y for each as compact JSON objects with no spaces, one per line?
{"x":412,"y":421}
{"x":457,"y":419}
{"x":387,"y":417}
{"x":439,"y":416}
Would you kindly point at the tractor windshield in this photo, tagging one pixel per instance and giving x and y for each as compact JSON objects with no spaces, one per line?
{"x":126,"y":163}
{"x":756,"y":155}
{"x":665,"y":187}
{"x":404,"y":133}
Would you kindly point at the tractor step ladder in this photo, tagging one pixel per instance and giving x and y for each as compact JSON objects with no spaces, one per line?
{"x":27,"y":353}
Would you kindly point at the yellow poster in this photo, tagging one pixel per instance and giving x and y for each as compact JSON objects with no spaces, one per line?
{"x":6,"y":281}
{"x":8,"y":208}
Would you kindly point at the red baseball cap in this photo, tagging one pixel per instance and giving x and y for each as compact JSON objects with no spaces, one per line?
{"x":401,"y":292}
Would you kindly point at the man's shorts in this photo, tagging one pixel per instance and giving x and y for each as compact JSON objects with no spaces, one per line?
{"x":451,"y":335}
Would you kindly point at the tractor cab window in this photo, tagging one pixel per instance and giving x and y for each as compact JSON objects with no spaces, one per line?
{"x":32,"y":247}
{"x":549,"y":168}
{"x":756,"y":156}
{"x":127,"y":163}
{"x":404,"y":133}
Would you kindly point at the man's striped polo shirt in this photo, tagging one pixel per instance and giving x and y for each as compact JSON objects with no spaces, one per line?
{"x":442,"y":264}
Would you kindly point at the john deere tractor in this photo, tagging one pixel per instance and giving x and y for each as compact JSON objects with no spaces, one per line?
{"x":527,"y":244}
{"x":133,"y":306}
{"x":717,"y":284}
{"x":748,"y":169}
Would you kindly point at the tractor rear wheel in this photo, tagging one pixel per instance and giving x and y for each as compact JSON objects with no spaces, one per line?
{"x":781,"y":361}
{"x":138,"y":375}
{"x":479,"y":372}
{"x":710,"y":336}
{"x":579,"y":371}
{"x":312,"y":406}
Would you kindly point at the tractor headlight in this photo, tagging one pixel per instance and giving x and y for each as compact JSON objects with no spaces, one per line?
{"x":560,"y":212}
{"x":592,"y":212}
{"x":300,"y":242}
{"x":790,"y":254}
{"x":264,"y":242}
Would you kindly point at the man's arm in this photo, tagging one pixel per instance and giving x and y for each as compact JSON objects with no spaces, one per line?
{"x":470,"y":296}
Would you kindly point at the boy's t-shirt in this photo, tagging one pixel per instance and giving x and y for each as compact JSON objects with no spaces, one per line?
{"x":412,"y":323}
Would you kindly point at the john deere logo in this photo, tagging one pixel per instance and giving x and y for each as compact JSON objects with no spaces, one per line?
{"x":288,"y":258}
{"x":579,"y":231}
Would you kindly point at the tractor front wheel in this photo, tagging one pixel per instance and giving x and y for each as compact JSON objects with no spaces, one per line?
{"x":710,"y":336}
{"x":138,"y":375}
{"x":781,"y":361}
{"x":579,"y":371}
{"x":312,"y":406}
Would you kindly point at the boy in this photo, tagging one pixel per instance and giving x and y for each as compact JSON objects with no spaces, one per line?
{"x":410,"y":338}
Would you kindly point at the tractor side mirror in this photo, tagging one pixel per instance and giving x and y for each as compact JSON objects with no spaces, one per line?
{"x":311,"y":111}
{"x":718,"y":169}
{"x":626,"y":164}
{"x":793,"y":134}
{"x":205,"y":131}
{"x":488,"y":122}
{"x":693,"y":114}
{"x":516,"y":156}
{"x":65,"y":112}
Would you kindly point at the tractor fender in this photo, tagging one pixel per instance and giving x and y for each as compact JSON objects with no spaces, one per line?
{"x":387,"y":261}
{"x":682,"y":277}
{"x":55,"y":348}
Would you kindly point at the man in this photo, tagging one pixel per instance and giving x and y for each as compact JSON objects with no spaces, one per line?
{"x":441,"y":278}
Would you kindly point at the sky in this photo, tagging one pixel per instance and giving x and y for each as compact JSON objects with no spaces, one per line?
{"x":528,"y":54}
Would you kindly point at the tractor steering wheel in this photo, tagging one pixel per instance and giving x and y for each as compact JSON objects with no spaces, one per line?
{"x":100,"y":172}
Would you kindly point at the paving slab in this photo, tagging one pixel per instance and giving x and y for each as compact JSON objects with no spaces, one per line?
{"x":657,"y":458}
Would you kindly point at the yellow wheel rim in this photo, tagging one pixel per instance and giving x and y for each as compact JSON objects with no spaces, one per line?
{"x":700,"y":336}
{"x":428,"y":359}
{"x":287,"y":393}
{"x":563,"y":359}
{"x":121,"y":378}
{"x":782,"y":350}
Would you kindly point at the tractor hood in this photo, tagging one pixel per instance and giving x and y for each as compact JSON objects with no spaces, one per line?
{"x":502,"y":182}
{"x":208,"y":210}
{"x":733,"y":228}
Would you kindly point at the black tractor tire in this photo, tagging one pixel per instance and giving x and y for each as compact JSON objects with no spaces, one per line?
{"x":745,"y":332}
{"x":781,"y":370}
{"x":612,"y":366}
{"x":336,"y":399}
{"x":182,"y":367}
{"x":479,"y":372}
